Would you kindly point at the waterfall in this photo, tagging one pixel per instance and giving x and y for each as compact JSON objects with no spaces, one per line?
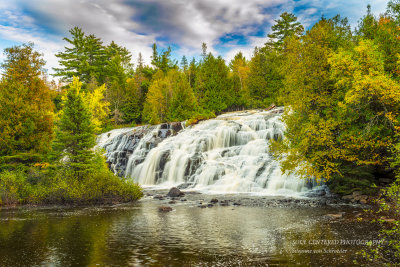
{"x":226,"y":154}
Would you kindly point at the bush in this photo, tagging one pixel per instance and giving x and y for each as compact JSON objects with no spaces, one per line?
{"x":200,"y":117}
{"x":386,"y":253}
{"x":14,"y":188}
{"x":59,"y":185}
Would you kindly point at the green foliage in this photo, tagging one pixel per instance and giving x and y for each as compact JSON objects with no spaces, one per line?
{"x":387,"y":252}
{"x":163,"y":60}
{"x":356,"y":178}
{"x":265,"y":80}
{"x":26,"y":113}
{"x":14,"y":188}
{"x":286,"y":26}
{"x":170,"y":98}
{"x":84,"y":59}
{"x":213,"y":87}
{"x":200,"y":117}
{"x":75,"y":133}
{"x":53,"y":185}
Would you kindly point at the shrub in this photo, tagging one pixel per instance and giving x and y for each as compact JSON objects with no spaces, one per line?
{"x":14,"y":188}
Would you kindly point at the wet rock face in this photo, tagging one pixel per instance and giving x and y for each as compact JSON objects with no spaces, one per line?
{"x":122,"y":143}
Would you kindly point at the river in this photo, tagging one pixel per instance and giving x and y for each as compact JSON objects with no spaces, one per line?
{"x":261,"y":231}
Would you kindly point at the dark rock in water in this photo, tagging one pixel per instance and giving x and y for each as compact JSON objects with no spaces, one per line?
{"x":236,"y":204}
{"x":202,"y":206}
{"x":176,"y":127}
{"x":210,"y":205}
{"x":175,"y":192}
{"x":164,"y":209}
{"x":172,"y":202}
{"x":214,"y":200}
{"x":158,"y":197}
{"x":183,"y":199}
{"x":224,"y":203}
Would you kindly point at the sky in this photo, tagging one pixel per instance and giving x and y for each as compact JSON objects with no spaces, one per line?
{"x":226,"y":26}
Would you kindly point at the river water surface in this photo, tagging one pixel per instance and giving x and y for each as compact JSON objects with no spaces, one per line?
{"x":139,"y":235}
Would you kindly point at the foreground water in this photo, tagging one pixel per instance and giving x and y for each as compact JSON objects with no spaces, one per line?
{"x":138,"y":234}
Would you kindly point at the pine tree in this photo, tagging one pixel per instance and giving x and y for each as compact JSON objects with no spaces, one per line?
{"x":213,"y":87}
{"x":85,"y":58}
{"x":284,"y":27}
{"x":75,"y":133}
{"x":184,"y":64}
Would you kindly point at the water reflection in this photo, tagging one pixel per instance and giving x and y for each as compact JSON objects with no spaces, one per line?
{"x":140,"y":235}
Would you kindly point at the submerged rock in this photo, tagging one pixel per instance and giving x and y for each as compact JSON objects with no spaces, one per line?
{"x":164,"y":209}
{"x":175,"y":192}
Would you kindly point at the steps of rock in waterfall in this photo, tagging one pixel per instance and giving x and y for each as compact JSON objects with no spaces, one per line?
{"x":225,"y":154}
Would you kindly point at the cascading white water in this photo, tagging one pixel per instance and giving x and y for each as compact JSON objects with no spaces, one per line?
{"x":225,"y":154}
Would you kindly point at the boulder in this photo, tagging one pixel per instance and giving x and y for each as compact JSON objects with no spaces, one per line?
{"x":164,"y":209}
{"x":175,"y":192}
{"x":214,"y":200}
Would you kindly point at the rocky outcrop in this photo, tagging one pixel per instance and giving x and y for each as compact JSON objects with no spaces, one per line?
{"x":356,"y":197}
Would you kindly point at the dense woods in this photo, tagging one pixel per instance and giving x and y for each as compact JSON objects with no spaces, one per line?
{"x":340,"y":88}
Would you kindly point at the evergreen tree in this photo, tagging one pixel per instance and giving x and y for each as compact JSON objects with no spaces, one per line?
{"x":75,"y":133}
{"x":184,"y":64}
{"x":213,"y":87}
{"x":265,"y":78}
{"x":367,"y":27}
{"x":85,"y":58}
{"x":284,"y":27}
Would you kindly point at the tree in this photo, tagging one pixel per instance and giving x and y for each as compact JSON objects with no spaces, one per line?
{"x":213,"y":87}
{"x":367,"y":27}
{"x":156,"y":105}
{"x":75,"y":133}
{"x":26,"y":113}
{"x":265,"y":78}
{"x":312,"y":100}
{"x":85,"y":58}
{"x":184,"y":64}
{"x":170,"y":98}
{"x":240,"y":72}
{"x":98,"y":106}
{"x":284,"y":27}
{"x":183,"y":103}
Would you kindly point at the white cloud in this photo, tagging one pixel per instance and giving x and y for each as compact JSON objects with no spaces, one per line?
{"x":137,"y":24}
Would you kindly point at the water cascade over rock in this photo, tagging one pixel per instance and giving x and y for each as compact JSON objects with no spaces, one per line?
{"x":226,"y":154}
